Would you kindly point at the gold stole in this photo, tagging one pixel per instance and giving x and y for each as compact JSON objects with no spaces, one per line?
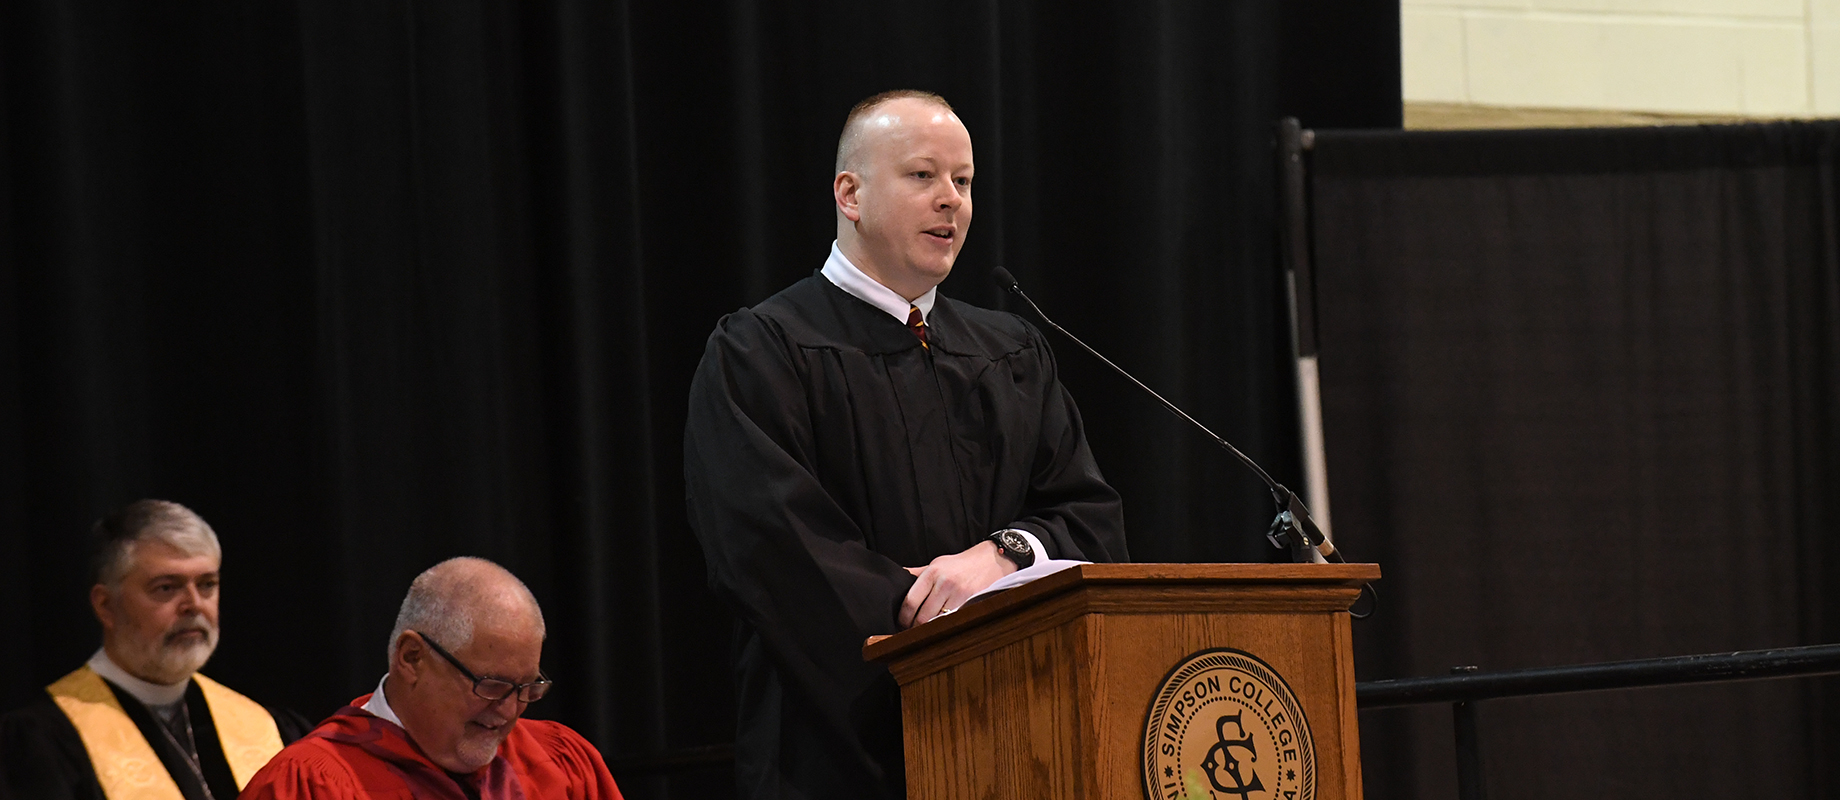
{"x":126,"y":765}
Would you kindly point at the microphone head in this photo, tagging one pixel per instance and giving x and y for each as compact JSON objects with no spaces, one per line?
{"x":1005,"y":280}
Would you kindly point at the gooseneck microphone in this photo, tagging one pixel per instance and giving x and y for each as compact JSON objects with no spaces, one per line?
{"x":1293,"y":529}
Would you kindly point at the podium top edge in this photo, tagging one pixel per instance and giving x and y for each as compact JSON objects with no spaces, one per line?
{"x":1103,"y":576}
{"x":1221,"y":573}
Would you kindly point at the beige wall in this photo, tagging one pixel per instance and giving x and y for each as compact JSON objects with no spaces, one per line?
{"x":1765,"y":58}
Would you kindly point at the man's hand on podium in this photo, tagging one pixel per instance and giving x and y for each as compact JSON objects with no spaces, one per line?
{"x":946,"y":583}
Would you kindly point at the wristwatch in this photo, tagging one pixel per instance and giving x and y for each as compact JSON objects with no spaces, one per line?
{"x":1012,"y":546}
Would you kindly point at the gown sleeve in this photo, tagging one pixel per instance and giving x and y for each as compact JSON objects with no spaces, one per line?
{"x":779,"y":548}
{"x":42,"y":757}
{"x":1069,"y":506}
{"x":297,"y":774}
{"x":588,"y":775}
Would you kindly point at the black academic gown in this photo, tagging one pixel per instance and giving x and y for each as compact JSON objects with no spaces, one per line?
{"x":825,"y":451}
{"x":42,"y":757}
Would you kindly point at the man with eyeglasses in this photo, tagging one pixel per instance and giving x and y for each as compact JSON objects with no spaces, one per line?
{"x":445,"y":722}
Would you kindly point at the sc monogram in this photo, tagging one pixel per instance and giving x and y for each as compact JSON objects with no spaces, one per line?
{"x":1224,"y":724}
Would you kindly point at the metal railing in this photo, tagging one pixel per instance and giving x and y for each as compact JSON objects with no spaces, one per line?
{"x":1467,"y":686}
{"x":1463,"y":690}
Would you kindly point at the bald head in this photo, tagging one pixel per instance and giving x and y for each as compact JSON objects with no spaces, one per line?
{"x":873,"y":114}
{"x":903,"y":190}
{"x":473,"y":622}
{"x":458,"y":596}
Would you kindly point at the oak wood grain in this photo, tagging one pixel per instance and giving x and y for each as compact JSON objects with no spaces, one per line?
{"x":1044,"y":693}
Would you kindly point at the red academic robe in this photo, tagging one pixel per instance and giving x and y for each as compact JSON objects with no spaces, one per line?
{"x":356,"y":755}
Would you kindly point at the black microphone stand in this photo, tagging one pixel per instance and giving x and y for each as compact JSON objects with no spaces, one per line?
{"x":1293,"y":529}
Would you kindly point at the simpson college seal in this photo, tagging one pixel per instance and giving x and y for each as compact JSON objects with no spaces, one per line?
{"x":1224,"y":724}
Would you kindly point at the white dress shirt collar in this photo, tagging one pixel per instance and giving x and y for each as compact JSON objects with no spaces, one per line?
{"x":150,"y":694}
{"x":847,"y":277}
{"x":379,"y":706}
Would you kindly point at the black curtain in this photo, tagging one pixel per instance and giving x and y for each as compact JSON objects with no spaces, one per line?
{"x":370,"y":284}
{"x":1582,"y":400}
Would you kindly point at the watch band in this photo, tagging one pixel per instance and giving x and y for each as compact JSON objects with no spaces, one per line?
{"x":1011,"y":544}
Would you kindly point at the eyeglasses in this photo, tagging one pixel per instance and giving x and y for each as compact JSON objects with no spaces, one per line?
{"x":495,"y":689}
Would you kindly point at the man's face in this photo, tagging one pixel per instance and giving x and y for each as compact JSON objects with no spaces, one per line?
{"x":162,"y":624}
{"x":910,"y":203}
{"x":454,"y":727}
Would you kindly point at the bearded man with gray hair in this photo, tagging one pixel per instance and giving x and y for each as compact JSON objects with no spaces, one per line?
{"x":138,"y":720}
{"x":446,"y":720}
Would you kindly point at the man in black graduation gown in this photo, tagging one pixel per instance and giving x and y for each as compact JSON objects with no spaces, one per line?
{"x":137,"y":721}
{"x":862,"y":455}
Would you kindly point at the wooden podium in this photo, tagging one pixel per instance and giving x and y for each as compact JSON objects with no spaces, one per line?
{"x":1214,"y":680}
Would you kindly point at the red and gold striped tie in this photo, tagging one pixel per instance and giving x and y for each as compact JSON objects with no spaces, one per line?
{"x":917,"y":324}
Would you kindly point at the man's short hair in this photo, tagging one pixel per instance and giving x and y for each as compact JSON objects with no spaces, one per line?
{"x":438,"y":608}
{"x":852,"y":124}
{"x":113,"y":538}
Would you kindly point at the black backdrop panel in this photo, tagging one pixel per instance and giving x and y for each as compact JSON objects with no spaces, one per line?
{"x":1582,"y":400}
{"x":369,"y":284}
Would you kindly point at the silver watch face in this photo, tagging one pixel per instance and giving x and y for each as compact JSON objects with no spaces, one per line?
{"x":1014,"y":542}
